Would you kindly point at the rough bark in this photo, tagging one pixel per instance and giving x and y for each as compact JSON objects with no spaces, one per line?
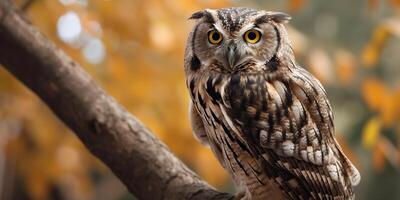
{"x":142,"y":162}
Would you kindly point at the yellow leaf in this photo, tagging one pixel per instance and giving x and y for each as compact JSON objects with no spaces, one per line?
{"x":371,"y":132}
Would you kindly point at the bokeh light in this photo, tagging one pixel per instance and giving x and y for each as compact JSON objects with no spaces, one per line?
{"x":94,"y":51}
{"x":69,"y":27}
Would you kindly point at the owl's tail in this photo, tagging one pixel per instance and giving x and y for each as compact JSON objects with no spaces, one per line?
{"x":351,"y":171}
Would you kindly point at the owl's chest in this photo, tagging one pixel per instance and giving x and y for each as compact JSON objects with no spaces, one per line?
{"x":240,"y":106}
{"x":225,"y":107}
{"x":229,"y":105}
{"x":244,"y":99}
{"x":235,"y":91}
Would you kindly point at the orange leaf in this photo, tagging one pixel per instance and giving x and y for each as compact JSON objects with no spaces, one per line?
{"x":378,"y":159}
{"x":370,"y":56}
{"x":373,"y":4}
{"x":389,"y":151}
{"x":373,"y":50}
{"x":373,"y":91}
{"x":388,"y":109}
{"x":296,"y":5}
{"x":396,"y":100}
{"x":395,"y":3}
{"x":345,"y":66}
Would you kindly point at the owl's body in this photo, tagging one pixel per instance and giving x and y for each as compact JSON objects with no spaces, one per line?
{"x":266,"y":119}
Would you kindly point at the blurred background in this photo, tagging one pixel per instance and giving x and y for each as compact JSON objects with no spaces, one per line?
{"x":134,"y":49}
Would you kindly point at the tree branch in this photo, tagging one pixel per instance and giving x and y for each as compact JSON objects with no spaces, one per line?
{"x":143,"y":163}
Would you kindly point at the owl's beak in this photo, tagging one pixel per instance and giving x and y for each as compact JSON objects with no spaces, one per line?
{"x":232,"y":55}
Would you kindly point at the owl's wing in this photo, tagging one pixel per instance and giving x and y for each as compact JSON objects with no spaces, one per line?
{"x":290,"y":128}
{"x":199,"y":131}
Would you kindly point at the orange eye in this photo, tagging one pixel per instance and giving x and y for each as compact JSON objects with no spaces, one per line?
{"x":214,"y":37}
{"x":252,"y":36}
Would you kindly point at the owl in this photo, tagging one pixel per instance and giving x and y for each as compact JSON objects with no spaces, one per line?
{"x":266,"y":119}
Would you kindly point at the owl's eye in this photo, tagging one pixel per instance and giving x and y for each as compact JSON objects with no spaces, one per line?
{"x":214,"y":37}
{"x":252,"y":36}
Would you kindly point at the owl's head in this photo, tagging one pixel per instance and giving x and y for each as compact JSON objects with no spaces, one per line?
{"x":235,"y":39}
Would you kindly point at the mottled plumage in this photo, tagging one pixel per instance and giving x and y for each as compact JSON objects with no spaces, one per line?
{"x":267,"y":120}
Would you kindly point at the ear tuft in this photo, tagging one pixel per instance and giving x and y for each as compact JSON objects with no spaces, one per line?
{"x":205,"y":15}
{"x":197,"y":15}
{"x":279,"y":17}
